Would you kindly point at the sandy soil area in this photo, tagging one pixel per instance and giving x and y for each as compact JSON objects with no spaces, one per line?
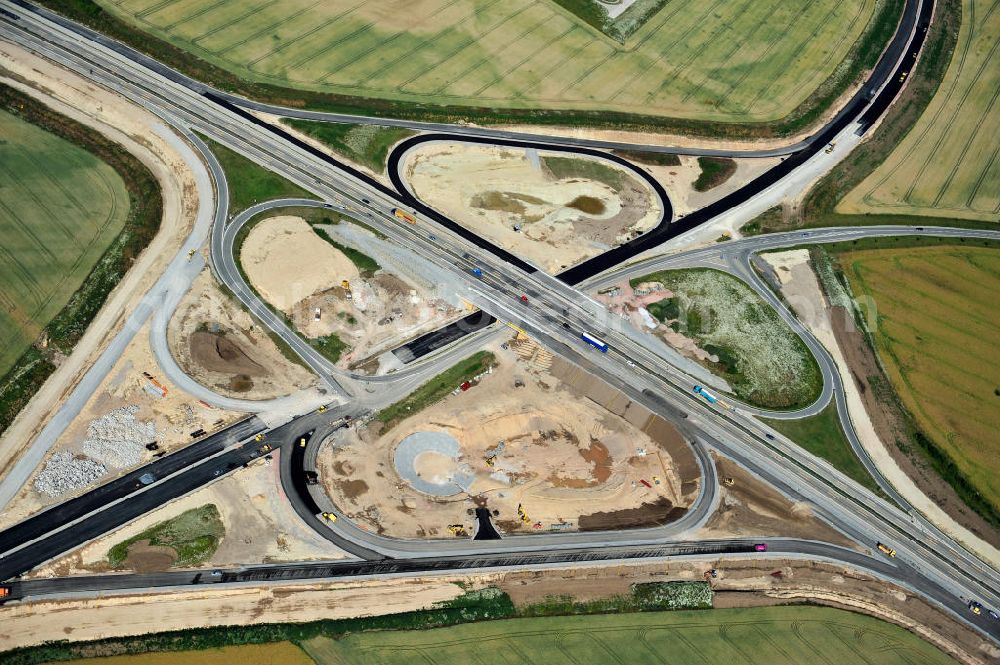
{"x":509,"y":196}
{"x":286,"y":262}
{"x":567,"y":462}
{"x":749,"y":507}
{"x":133,"y":128}
{"x":174,"y":414}
{"x":301,"y":274}
{"x":741,"y":582}
{"x":217,"y":342}
{"x":803,"y":292}
{"x":33,"y":623}
{"x":261,"y":527}
{"x":679,"y":181}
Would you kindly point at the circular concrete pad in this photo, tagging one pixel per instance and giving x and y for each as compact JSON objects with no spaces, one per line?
{"x":437,"y":471}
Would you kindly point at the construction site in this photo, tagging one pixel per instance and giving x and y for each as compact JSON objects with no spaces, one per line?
{"x":342,"y":292}
{"x":136,"y":415}
{"x":533,"y":439}
{"x":552,"y":209}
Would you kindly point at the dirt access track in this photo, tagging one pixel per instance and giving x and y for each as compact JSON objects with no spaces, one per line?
{"x":554,"y":209}
{"x":569,"y":463}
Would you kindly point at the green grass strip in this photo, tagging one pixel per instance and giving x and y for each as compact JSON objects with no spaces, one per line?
{"x":367,"y":145}
{"x":435,"y":389}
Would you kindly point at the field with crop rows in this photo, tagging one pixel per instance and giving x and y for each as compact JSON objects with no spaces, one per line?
{"x":757,"y":636}
{"x":936,"y":335}
{"x":60,"y":208}
{"x":949,"y":163}
{"x":742,"y":61}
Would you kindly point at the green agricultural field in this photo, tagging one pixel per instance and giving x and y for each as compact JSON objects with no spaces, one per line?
{"x":756,"y":636}
{"x":949,"y":163}
{"x":758,"y":354}
{"x":60,"y":209}
{"x":737,"y":61}
{"x":936,"y":336}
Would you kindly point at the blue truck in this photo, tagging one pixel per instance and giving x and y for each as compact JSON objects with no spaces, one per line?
{"x":594,"y":342}
{"x":709,"y":397}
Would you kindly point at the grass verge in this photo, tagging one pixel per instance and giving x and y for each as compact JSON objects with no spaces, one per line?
{"x":249,"y":183}
{"x":650,"y":158}
{"x":31,"y":369}
{"x":435,"y":389}
{"x":364,"y":263}
{"x":563,"y":168}
{"x":367,"y":145}
{"x":194,"y":535}
{"x":822,"y":436}
{"x":714,"y":172}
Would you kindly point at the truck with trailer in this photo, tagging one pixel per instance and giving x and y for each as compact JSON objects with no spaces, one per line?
{"x":709,"y":397}
{"x":886,"y":550}
{"x":595,"y":342}
{"x":403,"y":215}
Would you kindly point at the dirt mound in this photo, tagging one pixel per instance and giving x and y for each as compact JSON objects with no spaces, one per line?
{"x":145,"y":558}
{"x":219,"y":353}
{"x":656,"y":513}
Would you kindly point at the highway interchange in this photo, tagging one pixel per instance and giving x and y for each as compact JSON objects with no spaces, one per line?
{"x":929,"y":563}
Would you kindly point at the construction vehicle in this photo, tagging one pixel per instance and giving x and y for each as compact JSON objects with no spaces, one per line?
{"x":491,"y":455}
{"x":266,"y":448}
{"x":259,"y":438}
{"x":302,"y":442}
{"x":728,"y":482}
{"x":886,"y":550}
{"x":191,"y":253}
{"x":830,"y":148}
{"x":403,"y":215}
{"x":321,"y":409}
{"x":457,"y":529}
{"x":4,"y":592}
{"x":330,"y":516}
{"x":975,"y":607}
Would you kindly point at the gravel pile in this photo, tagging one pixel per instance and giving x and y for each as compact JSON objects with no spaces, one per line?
{"x":65,"y":473}
{"x":118,"y":439}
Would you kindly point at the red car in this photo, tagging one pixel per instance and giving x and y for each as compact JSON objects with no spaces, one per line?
{"x":760,"y":547}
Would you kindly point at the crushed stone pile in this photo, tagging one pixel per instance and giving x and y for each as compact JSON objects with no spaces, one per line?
{"x":65,"y":472}
{"x":118,"y":438}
